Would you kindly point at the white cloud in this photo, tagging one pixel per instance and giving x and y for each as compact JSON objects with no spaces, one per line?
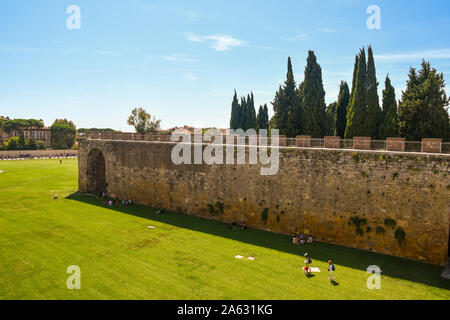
{"x":218,"y":42}
{"x":179,"y":58}
{"x":418,"y":55}
{"x":298,"y":37}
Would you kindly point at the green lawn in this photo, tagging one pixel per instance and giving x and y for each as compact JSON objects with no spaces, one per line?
{"x":184,"y":257}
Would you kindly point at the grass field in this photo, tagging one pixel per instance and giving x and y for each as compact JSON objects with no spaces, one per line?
{"x":183,"y":257}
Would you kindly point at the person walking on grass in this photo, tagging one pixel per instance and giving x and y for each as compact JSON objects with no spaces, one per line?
{"x":331,"y":268}
{"x":308,"y":261}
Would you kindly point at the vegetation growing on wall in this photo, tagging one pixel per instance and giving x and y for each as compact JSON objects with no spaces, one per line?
{"x":379,"y":230}
{"x":265,"y":215}
{"x":388,"y":222}
{"x":215,"y":209}
{"x":358,"y":223}
{"x":400,"y":236}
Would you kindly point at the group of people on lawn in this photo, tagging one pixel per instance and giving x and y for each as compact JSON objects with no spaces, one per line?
{"x":114,"y":202}
{"x":307,"y":268}
{"x":302,"y":239}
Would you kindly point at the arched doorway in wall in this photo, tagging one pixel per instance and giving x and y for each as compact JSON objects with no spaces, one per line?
{"x":96,"y":172}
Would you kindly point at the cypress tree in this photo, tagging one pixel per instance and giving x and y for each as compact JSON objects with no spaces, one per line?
{"x":286,"y":106}
{"x":262,"y":120}
{"x":259,"y":118}
{"x":389,"y":124}
{"x":234,"y":121}
{"x":340,"y":119}
{"x":266,"y":117}
{"x":313,"y":99}
{"x":251,"y":115}
{"x":422,"y":112}
{"x":358,"y":102}
{"x":331,"y":114}
{"x":373,"y":115}
{"x":355,"y":73}
{"x":243,"y":114}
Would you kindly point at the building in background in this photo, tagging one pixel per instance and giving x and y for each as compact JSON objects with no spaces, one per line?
{"x":42,"y":134}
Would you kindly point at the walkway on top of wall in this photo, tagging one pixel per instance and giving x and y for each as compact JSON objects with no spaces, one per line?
{"x":445,"y":155}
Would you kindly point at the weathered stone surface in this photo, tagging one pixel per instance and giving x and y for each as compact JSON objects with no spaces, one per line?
{"x":357,"y":199}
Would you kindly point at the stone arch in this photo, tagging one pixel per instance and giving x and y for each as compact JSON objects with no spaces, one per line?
{"x":96,"y":175}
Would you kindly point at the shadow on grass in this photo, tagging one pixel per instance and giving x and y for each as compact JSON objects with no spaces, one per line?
{"x":353,"y":258}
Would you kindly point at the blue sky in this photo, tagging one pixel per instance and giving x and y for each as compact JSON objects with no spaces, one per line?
{"x":182,"y":60}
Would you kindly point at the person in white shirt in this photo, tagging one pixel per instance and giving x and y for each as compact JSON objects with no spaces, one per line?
{"x":331,"y":268}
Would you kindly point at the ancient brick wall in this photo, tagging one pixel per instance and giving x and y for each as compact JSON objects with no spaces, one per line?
{"x":392,"y":203}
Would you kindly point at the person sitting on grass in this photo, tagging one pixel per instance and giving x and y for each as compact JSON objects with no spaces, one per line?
{"x":308,"y":261}
{"x":331,"y":268}
{"x":302,"y":238}
{"x":310,"y":239}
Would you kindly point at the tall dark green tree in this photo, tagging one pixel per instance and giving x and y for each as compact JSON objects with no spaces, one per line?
{"x":262,"y":118}
{"x":286,"y":106}
{"x":234,"y":121}
{"x":340,"y":119}
{"x":355,"y":73}
{"x":313,"y":99}
{"x":423,"y":110}
{"x":331,"y":113}
{"x":389,"y":123}
{"x":243,"y":114}
{"x":266,"y":116}
{"x":357,"y":109}
{"x":251,"y":114}
{"x":373,"y":115}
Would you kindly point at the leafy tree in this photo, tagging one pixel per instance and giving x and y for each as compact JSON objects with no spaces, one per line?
{"x":389,"y":123}
{"x":22,"y":143}
{"x":373,"y":115}
{"x":313,"y":99}
{"x":422,"y":112}
{"x":63,"y":134}
{"x":32,"y":144}
{"x":12,"y":144}
{"x":357,"y":109}
{"x":21,"y":124}
{"x":142,"y":121}
{"x":340,"y":119}
{"x":41,"y":145}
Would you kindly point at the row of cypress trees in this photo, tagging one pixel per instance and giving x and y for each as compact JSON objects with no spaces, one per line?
{"x":243,"y":115}
{"x":301,"y":109}
{"x":421,"y":113}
